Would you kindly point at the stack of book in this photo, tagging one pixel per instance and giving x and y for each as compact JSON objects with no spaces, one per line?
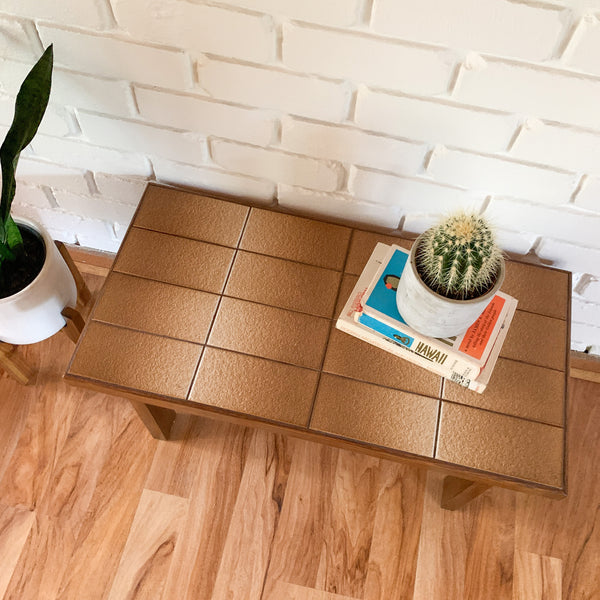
{"x":372,"y":315}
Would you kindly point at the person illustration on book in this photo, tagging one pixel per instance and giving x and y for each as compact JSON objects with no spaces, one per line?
{"x":391,"y":282}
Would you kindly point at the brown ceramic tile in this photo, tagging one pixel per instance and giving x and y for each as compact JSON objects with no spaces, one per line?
{"x":362,"y":245}
{"x":375,"y":415}
{"x":284,"y":284}
{"x":255,"y":386}
{"x":351,"y":357}
{"x":270,"y":332}
{"x":518,"y":389}
{"x":296,"y":238}
{"x":174,"y":260}
{"x":191,"y":215}
{"x":537,"y":340}
{"x":539,"y":290}
{"x":348,"y":283}
{"x":156,"y":307}
{"x":501,"y":444}
{"x":140,"y":361}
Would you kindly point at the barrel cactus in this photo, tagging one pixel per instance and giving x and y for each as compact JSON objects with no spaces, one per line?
{"x":459,"y":258}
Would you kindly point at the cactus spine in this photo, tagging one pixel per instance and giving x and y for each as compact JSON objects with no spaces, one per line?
{"x":459,"y":257}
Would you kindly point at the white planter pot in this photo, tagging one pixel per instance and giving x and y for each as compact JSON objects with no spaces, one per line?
{"x":432,"y":314}
{"x":34,"y":313}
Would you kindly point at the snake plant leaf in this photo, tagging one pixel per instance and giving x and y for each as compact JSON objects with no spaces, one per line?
{"x":30,"y":107}
{"x":13,"y":235}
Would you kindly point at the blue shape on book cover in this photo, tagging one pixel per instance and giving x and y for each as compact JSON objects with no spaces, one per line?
{"x":383,"y":296}
{"x":392,"y":334}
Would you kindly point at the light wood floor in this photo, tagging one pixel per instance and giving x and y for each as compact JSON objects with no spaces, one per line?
{"x":92,"y":507}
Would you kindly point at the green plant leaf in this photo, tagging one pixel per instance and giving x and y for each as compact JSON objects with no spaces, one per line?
{"x":5,"y":253}
{"x":13,"y":235}
{"x":30,"y":107}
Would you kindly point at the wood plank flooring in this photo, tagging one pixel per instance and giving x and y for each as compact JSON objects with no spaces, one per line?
{"x":92,"y":507}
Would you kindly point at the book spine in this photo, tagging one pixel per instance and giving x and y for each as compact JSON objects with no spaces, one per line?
{"x":399,"y":349}
{"x":424,"y":344}
{"x":445,"y":358}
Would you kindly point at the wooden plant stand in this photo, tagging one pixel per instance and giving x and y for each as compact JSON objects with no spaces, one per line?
{"x":14,"y":364}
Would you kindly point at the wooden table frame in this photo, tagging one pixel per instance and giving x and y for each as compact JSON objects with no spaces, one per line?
{"x":158,"y":411}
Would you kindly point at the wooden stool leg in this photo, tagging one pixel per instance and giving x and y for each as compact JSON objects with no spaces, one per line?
{"x":75,"y":323}
{"x":457,"y":492}
{"x":83,"y":291}
{"x":157,"y":419}
{"x":14,"y":365}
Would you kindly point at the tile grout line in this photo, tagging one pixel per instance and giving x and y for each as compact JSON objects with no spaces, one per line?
{"x":332,"y":324}
{"x":214,"y":318}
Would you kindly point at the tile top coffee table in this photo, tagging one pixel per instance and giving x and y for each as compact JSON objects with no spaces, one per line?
{"x":219,"y":309}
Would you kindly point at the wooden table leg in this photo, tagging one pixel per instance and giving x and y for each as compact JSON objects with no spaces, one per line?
{"x":15,"y":365}
{"x":157,"y":419}
{"x":457,"y":492}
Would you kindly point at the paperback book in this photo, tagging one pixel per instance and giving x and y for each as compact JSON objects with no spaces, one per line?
{"x":372,"y":315}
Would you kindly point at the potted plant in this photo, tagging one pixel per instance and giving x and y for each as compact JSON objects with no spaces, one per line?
{"x":454,"y":271}
{"x":35,"y":282}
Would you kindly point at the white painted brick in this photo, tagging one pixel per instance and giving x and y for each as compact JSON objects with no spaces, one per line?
{"x":584,"y":54}
{"x":416,"y":224}
{"x":542,"y":93}
{"x":585,"y":312}
{"x":55,"y":121}
{"x":559,"y":146}
{"x":591,"y":292}
{"x":116,"y":59}
{"x":53,"y":219}
{"x":30,"y":195}
{"x":492,"y":26}
{"x":78,"y":154}
{"x":16,"y":41}
{"x":94,"y":207}
{"x":578,"y":346}
{"x":91,"y":93}
{"x":338,"y":207}
{"x":571,"y":257}
{"x":127,"y":191}
{"x":267,"y":88}
{"x":206,"y":117}
{"x":137,"y":137}
{"x":434,"y":122}
{"x":98,"y":235}
{"x":562,"y":224}
{"x":213,"y":180}
{"x":589,"y":334}
{"x":412,"y":195}
{"x":514,"y":241}
{"x":199,"y":28}
{"x":338,"y":13}
{"x":368,"y":60}
{"x":276,"y":166}
{"x":83,"y":13}
{"x":351,"y":145}
{"x":589,"y":195}
{"x":39,"y":173}
{"x":501,"y":177}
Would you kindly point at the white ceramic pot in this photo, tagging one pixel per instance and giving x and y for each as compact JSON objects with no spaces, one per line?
{"x":432,"y":314}
{"x":34,"y":313}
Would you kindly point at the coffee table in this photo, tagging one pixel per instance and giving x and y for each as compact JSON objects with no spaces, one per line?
{"x":216,"y":308}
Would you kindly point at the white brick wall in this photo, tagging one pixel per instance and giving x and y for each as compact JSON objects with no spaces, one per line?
{"x":384,"y":112}
{"x":366,"y":59}
{"x":502,"y":28}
